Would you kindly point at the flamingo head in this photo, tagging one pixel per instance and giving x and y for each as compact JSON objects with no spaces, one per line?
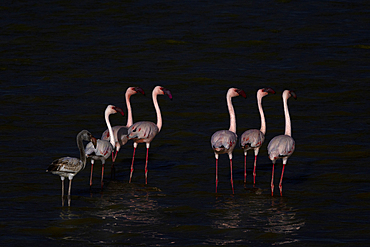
{"x":111,"y":109}
{"x":288,"y":93}
{"x":265,"y":91}
{"x":233,"y":92}
{"x":165,"y":91}
{"x":139,"y":90}
{"x":94,"y":141}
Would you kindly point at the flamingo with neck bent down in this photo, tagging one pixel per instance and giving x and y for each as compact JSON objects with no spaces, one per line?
{"x":282,"y":146}
{"x":224,"y":141}
{"x":144,"y":131}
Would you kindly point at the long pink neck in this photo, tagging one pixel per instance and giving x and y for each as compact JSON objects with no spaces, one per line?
{"x":157,"y":110}
{"x":288,"y":128}
{"x":111,"y":138}
{"x":130,"y":120}
{"x":232,"y":114}
{"x":263,"y":121}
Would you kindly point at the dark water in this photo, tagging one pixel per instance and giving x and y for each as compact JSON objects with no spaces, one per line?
{"x":62,"y":62}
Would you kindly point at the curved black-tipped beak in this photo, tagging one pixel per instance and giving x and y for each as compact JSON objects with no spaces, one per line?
{"x":139,"y":90}
{"x":269,"y":90}
{"x":241,"y":93}
{"x":119,"y":110}
{"x":293,"y":94}
{"x":167,"y":92}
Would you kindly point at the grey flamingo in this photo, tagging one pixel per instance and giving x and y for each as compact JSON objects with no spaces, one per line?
{"x":253,"y":138}
{"x":120,"y":132}
{"x":145,"y":131}
{"x":282,"y":146}
{"x":224,"y":141}
{"x":68,"y":167}
{"x":103,"y":148}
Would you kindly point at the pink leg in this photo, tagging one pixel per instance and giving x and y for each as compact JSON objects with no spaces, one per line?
{"x":245,"y":169}
{"x":146,"y":166}
{"x":281,"y":181}
{"x":91,"y":174}
{"x":254,"y":170}
{"x":112,"y":169}
{"x":216,"y":174}
{"x":102,"y":174}
{"x":272,"y":180}
{"x":132,"y":165}
{"x":231,"y":172}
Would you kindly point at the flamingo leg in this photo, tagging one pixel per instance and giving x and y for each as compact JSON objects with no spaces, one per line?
{"x":254,"y":170}
{"x":91,"y":173}
{"x":231,"y":174}
{"x":69,"y":192}
{"x":272,"y":179}
{"x":245,"y":167}
{"x":216,"y":173}
{"x":146,"y":164}
{"x":132,"y":164}
{"x":62,"y":178}
{"x":281,"y":181}
{"x":113,"y":169}
{"x":102,"y":173}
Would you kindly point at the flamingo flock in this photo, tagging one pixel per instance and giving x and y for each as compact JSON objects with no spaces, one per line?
{"x":222,"y":141}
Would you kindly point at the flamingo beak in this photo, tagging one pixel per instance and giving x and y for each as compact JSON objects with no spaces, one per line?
{"x":119,"y":110}
{"x":167,"y":92}
{"x":241,"y":93}
{"x":94,"y":141}
{"x":293,"y":94}
{"x":139,"y":90}
{"x":269,"y":90}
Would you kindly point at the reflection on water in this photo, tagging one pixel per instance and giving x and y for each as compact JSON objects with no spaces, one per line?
{"x":255,"y":214}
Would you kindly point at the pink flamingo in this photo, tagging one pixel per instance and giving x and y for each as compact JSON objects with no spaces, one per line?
{"x":253,"y":138}
{"x":68,"y":167}
{"x":282,"y":146}
{"x":120,"y":132}
{"x":145,"y":131}
{"x":224,"y":141}
{"x":103,"y":148}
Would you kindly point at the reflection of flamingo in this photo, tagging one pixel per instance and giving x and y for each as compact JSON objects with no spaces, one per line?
{"x":145,"y":131}
{"x":253,"y":138}
{"x":120,"y":132}
{"x":282,"y":146}
{"x":103,"y":148}
{"x":68,"y":167}
{"x":224,"y":141}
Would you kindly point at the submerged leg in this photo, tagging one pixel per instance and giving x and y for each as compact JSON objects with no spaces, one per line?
{"x":132,"y":164}
{"x":281,"y":181}
{"x":102,"y":174}
{"x":272,"y":179}
{"x":245,"y":167}
{"x":216,"y":155}
{"x":91,"y":173}
{"x":62,"y":178}
{"x":231,"y":172}
{"x":254,"y":170}
{"x":146,"y":162}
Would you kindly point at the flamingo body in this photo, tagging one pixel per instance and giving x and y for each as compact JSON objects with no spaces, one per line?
{"x":282,"y":146}
{"x":144,"y":131}
{"x":254,"y":138}
{"x":224,"y":141}
{"x":68,"y":167}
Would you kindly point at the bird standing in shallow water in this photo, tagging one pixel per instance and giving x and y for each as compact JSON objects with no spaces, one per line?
{"x":253,"y":138}
{"x":282,"y":146}
{"x":145,"y":131}
{"x":68,"y":167}
{"x":224,"y":141}
{"x":103,"y":148}
{"x":120,"y":132}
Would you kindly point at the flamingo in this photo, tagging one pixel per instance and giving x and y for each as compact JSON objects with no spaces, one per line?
{"x":145,"y":131}
{"x":282,"y":146}
{"x":224,"y":141}
{"x":120,"y":132}
{"x":68,"y":167}
{"x":103,"y":148}
{"x":253,"y":138}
